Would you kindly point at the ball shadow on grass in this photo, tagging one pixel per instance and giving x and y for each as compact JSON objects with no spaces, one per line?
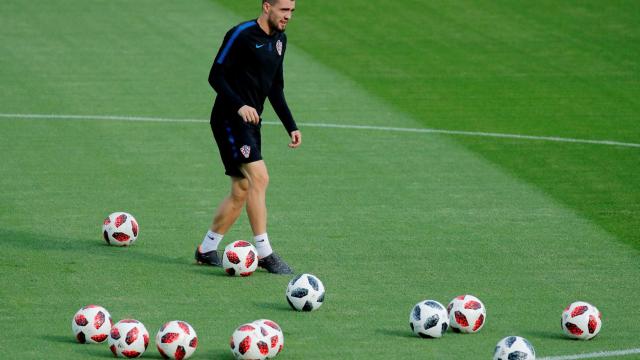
{"x":61,"y":339}
{"x":279,"y":306}
{"x":395,"y":332}
{"x":221,"y":354}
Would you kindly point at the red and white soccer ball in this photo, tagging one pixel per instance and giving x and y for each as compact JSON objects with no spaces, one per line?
{"x":120,"y":229}
{"x":128,"y":338}
{"x":467,"y":314}
{"x":273,"y":334}
{"x":176,"y":340}
{"x":248,"y":343}
{"x":240,"y":258}
{"x":91,"y":324}
{"x":581,"y":320}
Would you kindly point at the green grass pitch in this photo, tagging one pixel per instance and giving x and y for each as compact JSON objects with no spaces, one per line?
{"x":384,"y":218}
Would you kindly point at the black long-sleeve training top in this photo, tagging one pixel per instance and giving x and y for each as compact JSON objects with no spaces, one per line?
{"x":247,"y":70}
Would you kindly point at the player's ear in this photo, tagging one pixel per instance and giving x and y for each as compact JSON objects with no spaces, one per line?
{"x":265,"y":7}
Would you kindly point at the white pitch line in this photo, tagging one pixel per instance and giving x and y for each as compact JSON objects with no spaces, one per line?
{"x":99,"y":117}
{"x":595,"y":355}
{"x":334,"y":126}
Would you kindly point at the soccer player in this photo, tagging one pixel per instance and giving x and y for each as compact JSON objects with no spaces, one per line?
{"x":246,"y":71}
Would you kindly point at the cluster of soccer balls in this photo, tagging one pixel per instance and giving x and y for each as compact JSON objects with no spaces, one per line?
{"x":264,"y":339}
{"x":467,"y":314}
{"x":129,"y":337}
{"x":261,"y":339}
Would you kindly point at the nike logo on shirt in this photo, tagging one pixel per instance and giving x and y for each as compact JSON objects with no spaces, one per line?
{"x":258,"y":46}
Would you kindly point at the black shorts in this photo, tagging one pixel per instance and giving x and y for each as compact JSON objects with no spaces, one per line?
{"x":238,"y":143}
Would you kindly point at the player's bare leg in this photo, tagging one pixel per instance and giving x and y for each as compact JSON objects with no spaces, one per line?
{"x":258,"y":177}
{"x":231,"y":207}
{"x":226,"y":215}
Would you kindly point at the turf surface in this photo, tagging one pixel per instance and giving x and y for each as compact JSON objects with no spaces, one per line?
{"x":384,"y":218}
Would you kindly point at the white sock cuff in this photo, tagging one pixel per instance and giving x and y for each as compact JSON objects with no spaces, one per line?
{"x":214,"y":235}
{"x":211,"y":241}
{"x":262,"y":245}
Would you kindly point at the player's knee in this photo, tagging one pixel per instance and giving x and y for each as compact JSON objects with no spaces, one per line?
{"x":239,"y":192}
{"x":257,"y":176}
{"x":238,"y":199}
{"x":260,"y":180}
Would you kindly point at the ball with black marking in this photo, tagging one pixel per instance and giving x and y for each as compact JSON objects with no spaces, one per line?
{"x":305,"y":293}
{"x":514,"y":348}
{"x":429,"y":319}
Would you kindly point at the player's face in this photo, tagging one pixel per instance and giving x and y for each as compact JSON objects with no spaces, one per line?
{"x":280,"y":13}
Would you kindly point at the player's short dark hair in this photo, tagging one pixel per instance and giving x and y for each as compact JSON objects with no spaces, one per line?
{"x":272,"y":2}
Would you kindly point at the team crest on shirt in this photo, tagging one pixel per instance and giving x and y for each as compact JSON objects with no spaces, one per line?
{"x":245,"y":150}
{"x":279,"y":47}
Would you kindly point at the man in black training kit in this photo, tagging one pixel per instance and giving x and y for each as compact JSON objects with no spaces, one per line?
{"x":247,"y":70}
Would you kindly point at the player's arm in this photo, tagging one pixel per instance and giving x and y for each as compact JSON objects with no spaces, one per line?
{"x":227,"y":54}
{"x":279,"y":104}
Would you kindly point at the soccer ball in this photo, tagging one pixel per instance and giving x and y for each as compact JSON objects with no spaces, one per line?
{"x":247,"y":342}
{"x":429,"y":319}
{"x":514,"y":348}
{"x":273,"y":334}
{"x":467,"y":314}
{"x":305,"y":293}
{"x":128,"y":338}
{"x":91,"y":324}
{"x":240,"y":258}
{"x":120,"y":229}
{"x":581,"y":320}
{"x":176,"y":340}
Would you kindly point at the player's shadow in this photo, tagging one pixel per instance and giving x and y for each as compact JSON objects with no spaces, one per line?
{"x":49,"y":241}
{"x":96,"y":247}
{"x":395,"y":333}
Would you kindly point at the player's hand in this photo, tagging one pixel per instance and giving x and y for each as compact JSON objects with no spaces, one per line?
{"x":249,"y":114}
{"x":296,"y":139}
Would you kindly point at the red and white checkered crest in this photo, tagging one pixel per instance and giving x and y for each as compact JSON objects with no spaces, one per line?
{"x":245,"y":150}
